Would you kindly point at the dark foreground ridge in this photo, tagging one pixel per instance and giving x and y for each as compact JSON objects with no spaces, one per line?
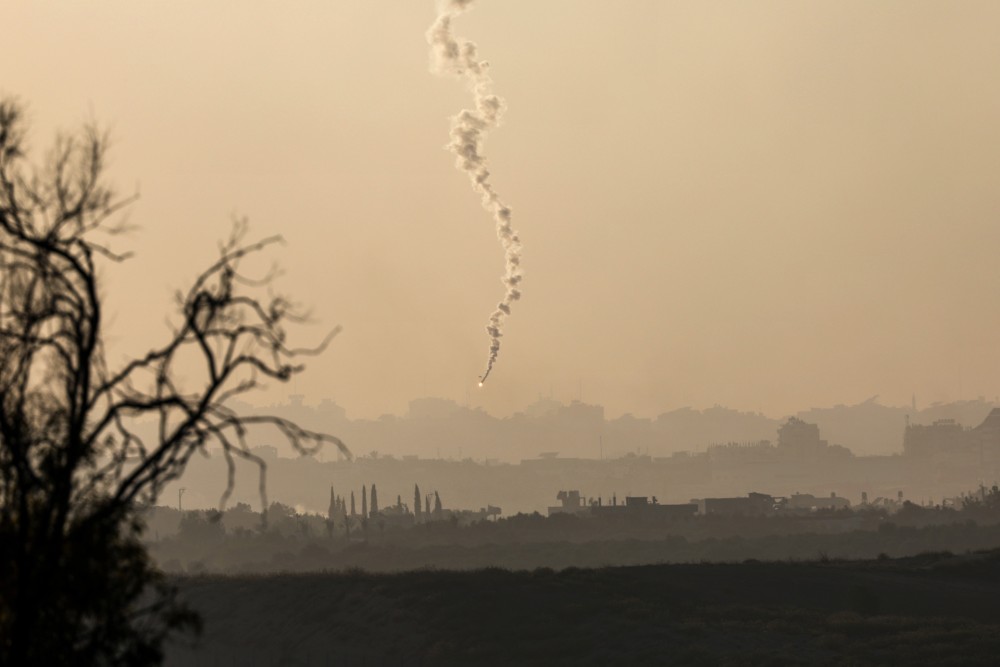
{"x":932,"y":609}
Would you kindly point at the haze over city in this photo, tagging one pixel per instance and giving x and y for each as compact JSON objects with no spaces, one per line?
{"x":767,"y":206}
{"x":461,"y":332}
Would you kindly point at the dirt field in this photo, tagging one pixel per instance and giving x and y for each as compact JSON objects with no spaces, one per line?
{"x":935,"y":609}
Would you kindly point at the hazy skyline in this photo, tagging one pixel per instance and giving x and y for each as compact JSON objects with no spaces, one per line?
{"x":770,"y":205}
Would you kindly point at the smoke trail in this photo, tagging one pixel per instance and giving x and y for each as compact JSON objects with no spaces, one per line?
{"x":458,"y":57}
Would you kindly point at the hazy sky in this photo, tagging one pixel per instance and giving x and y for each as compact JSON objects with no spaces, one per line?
{"x":768,"y":205}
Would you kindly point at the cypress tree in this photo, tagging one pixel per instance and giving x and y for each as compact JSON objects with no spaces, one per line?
{"x":331,"y":512}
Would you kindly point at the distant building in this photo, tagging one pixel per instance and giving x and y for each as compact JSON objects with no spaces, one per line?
{"x":753,"y":504}
{"x":642,"y":507}
{"x":807,"y":501}
{"x":948,"y":441}
{"x":799,"y":440}
{"x":796,"y":435}
{"x":986,"y":437}
{"x":760,"y":451}
{"x":943,"y":437}
{"x":570,"y":502}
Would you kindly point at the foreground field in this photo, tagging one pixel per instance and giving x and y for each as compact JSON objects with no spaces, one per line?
{"x":935,"y":609}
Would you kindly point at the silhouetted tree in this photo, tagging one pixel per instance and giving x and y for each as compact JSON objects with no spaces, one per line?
{"x":374,"y":501}
{"x":353,"y":513}
{"x":331,"y":512}
{"x":437,"y":503}
{"x":199,"y":527}
{"x":416,"y":502}
{"x":76,"y":585}
{"x":364,"y":502}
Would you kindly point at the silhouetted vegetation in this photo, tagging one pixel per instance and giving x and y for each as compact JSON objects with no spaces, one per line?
{"x":293,"y":542}
{"x":76,"y":584}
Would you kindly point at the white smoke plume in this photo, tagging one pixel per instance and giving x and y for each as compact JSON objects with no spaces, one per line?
{"x":458,"y":57}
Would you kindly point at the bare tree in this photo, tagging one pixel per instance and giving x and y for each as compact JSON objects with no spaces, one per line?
{"x":76,"y":586}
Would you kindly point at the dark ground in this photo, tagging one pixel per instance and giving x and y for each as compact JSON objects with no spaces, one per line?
{"x":933,"y":609}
